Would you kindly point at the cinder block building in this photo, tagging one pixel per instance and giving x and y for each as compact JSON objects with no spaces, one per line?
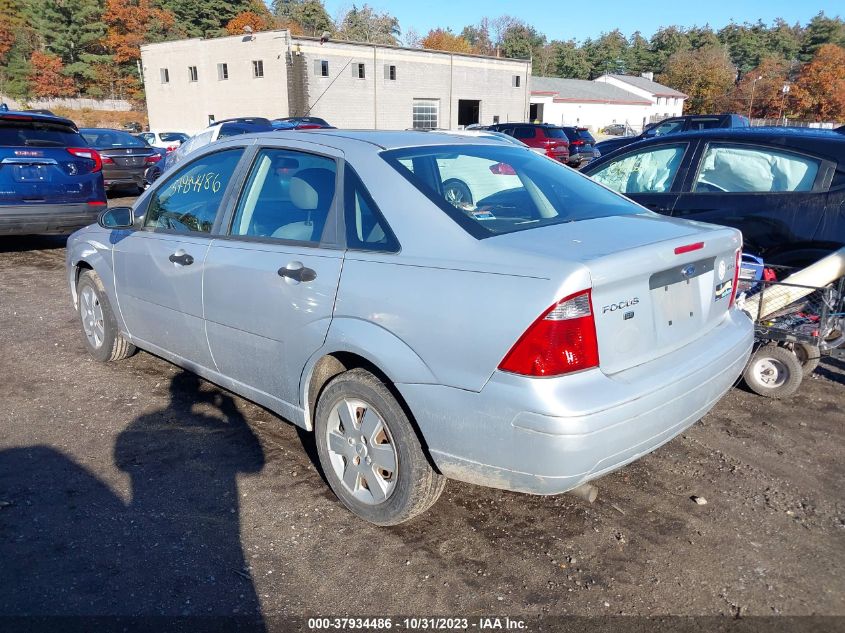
{"x":190,"y":83}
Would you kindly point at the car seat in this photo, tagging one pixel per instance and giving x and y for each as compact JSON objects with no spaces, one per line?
{"x":311,"y":191}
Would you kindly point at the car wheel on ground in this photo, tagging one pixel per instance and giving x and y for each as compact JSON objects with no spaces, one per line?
{"x":774,"y":372}
{"x":102,"y":339}
{"x":457,"y":192}
{"x":370,"y":453}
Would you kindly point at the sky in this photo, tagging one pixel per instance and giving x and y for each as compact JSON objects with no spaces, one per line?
{"x":579,"y":20}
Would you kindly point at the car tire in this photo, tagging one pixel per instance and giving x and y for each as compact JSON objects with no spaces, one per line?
{"x":386,"y":486}
{"x":809,"y":357}
{"x":100,"y":334}
{"x":457,"y":192}
{"x":774,"y":372}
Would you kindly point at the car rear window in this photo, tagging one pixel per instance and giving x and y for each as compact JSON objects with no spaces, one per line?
{"x":38,"y":134}
{"x":493,"y":190}
{"x":554,"y":132}
{"x":173,"y":136}
{"x":106,"y":139}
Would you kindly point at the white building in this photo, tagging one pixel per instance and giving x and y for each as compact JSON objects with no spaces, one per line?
{"x":272,"y":74}
{"x":595,"y":104}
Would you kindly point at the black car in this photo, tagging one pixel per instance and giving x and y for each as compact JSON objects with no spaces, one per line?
{"x":675,"y":125}
{"x":126,"y":158}
{"x":51,"y":181}
{"x":582,"y":146}
{"x":784,"y":188}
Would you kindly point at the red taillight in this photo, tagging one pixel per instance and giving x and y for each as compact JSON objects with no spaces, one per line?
{"x":149,"y":160}
{"x":576,"y":142}
{"x":688,"y":248}
{"x":107,"y":160}
{"x":172,"y":148}
{"x":90,"y":154}
{"x":97,"y":203}
{"x":561,"y":341}
{"x":737,"y":263}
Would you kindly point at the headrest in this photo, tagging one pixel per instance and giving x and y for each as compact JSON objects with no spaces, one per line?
{"x":312,"y":189}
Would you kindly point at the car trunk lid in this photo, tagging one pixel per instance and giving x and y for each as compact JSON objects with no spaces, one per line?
{"x":657,"y":283}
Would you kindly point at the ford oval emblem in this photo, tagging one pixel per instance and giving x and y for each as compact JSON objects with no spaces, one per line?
{"x":688,"y":271}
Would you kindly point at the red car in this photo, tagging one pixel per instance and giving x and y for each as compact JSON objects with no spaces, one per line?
{"x":550,"y":138}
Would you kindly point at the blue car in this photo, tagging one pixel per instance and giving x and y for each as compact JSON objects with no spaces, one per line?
{"x":51,"y":181}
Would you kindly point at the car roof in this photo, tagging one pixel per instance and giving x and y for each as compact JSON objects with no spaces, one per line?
{"x":789,"y":137}
{"x":21,"y":115}
{"x":382,"y":139}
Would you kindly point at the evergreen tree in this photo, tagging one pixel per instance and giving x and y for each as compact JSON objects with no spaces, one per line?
{"x":821,"y":30}
{"x":206,"y":18}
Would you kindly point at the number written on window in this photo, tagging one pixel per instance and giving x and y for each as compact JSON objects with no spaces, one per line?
{"x":188,"y":200}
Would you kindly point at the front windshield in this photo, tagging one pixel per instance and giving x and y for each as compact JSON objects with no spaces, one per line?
{"x":495,"y":189}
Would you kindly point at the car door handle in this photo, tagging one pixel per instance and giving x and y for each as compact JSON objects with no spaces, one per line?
{"x":297,"y":272}
{"x":183,"y":259}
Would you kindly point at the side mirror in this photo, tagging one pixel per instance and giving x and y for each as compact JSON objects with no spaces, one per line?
{"x":117,"y":218}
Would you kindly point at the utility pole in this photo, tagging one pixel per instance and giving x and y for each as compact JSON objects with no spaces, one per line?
{"x":751,"y":103}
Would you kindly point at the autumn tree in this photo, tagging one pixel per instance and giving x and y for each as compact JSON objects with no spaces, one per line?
{"x":131,"y":23}
{"x":445,"y":40}
{"x":706,"y":75}
{"x":819,"y":92}
{"x":47,"y":78}
{"x":249,"y":19}
{"x":765,"y":83}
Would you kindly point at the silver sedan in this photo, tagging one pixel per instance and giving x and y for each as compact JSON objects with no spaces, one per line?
{"x":533,"y":335}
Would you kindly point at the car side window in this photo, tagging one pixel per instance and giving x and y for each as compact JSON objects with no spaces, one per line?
{"x":736,"y":169}
{"x":646,"y":171}
{"x":667,"y":127}
{"x":188,"y":200}
{"x":288,"y":196}
{"x":366,"y":228}
{"x":523,"y":132}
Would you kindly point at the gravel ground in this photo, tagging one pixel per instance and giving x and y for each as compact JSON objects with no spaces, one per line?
{"x":135,"y":488}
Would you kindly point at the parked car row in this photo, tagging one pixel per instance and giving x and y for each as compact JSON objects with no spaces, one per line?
{"x":573,"y":146}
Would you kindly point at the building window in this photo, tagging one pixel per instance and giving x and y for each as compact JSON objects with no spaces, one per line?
{"x":425,"y":113}
{"x":517,"y":81}
{"x":211,"y":119}
{"x":323,"y":68}
{"x":258,"y":68}
{"x":358,"y":71}
{"x":222,"y":72}
{"x":390,"y":72}
{"x":192,"y":73}
{"x":165,"y":75}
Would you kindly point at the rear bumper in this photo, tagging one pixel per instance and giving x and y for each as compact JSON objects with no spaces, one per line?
{"x":47,"y":218}
{"x":546,"y":436}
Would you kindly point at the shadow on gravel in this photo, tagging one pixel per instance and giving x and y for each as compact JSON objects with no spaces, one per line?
{"x":833,"y":369}
{"x":19,"y":243}
{"x":70,"y":546}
